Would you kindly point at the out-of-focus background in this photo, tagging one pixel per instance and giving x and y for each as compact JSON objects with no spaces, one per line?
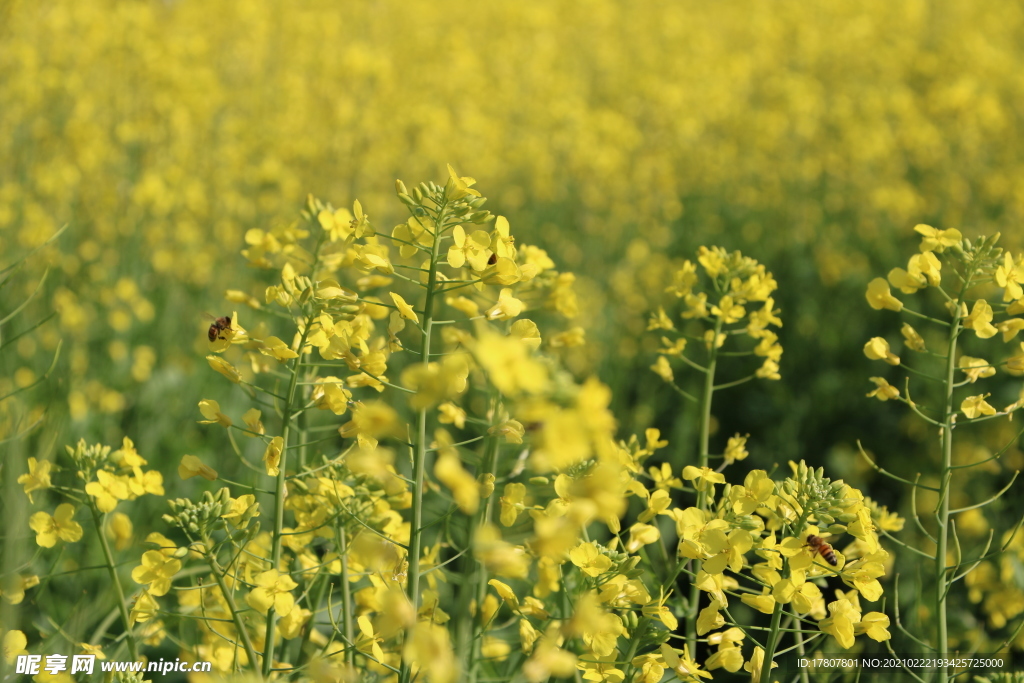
{"x":619,"y":136}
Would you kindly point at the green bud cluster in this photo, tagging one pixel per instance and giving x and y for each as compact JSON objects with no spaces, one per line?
{"x":819,"y":498}
{"x":199,"y":519}
{"x":87,"y":458}
{"x":622,"y":563}
{"x":580,"y":469}
{"x":427,"y":198}
{"x":982,"y":255}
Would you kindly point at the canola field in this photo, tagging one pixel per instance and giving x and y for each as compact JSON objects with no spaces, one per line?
{"x":438,"y":342}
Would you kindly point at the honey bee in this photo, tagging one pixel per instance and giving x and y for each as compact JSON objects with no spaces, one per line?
{"x":820,"y":546}
{"x":219,"y":327}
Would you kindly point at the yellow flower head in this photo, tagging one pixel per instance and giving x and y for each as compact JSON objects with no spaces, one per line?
{"x":60,"y":526}
{"x":977,"y":406}
{"x":107,"y":490}
{"x":933,"y":239}
{"x":272,"y":590}
{"x":980,"y":320}
{"x":880,"y":297}
{"x":877,"y":348}
{"x":13,"y":644}
{"x":843,"y":616}
{"x":272,"y":456}
{"x":191,"y":466}
{"x":211,"y":411}
{"x":276,"y":348}
{"x":156,"y":572}
{"x":883,"y":390}
{"x":37,"y":478}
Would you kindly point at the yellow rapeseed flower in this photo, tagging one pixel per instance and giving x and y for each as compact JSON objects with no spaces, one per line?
{"x":404,"y":309}
{"x":883,"y":391}
{"x":912,"y":340}
{"x":589,"y":559}
{"x":272,"y":456}
{"x":934,"y":239}
{"x":13,"y":645}
{"x":191,"y":466}
{"x":276,"y":348}
{"x":977,"y":406}
{"x":273,"y":589}
{"x":211,"y":411}
{"x":843,"y":616}
{"x":225,"y":368}
{"x":980,"y":320}
{"x":59,"y":526}
{"x":877,"y":348}
{"x":119,"y":529}
{"x":13,"y":587}
{"x":879,"y":296}
{"x":107,"y":490}
{"x":156,"y":572}
{"x":37,"y":478}
{"x":875,"y":625}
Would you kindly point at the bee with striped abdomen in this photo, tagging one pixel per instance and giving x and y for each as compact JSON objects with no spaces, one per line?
{"x":820,"y":546}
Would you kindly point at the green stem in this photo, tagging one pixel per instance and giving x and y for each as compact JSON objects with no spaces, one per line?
{"x":316,"y":592}
{"x":802,"y":651}
{"x":346,"y":597}
{"x":122,"y":604}
{"x":218,"y":573}
{"x":279,"y":498}
{"x":943,"y":513}
{"x":480,"y":575}
{"x":770,"y":644}
{"x":693,"y":607}
{"x":420,"y":454}
{"x":634,"y":643}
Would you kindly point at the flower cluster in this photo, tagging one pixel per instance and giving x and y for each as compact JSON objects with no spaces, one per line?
{"x":740,"y":303}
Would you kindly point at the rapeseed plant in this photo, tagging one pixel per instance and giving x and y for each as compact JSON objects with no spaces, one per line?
{"x":964,"y":274}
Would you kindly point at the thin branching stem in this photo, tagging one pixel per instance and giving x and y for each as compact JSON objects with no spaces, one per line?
{"x":420,"y":450}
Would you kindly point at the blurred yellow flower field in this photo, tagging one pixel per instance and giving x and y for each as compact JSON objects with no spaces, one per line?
{"x":651,"y":378}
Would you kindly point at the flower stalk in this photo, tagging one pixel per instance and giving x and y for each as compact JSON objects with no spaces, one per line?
{"x":108,"y":556}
